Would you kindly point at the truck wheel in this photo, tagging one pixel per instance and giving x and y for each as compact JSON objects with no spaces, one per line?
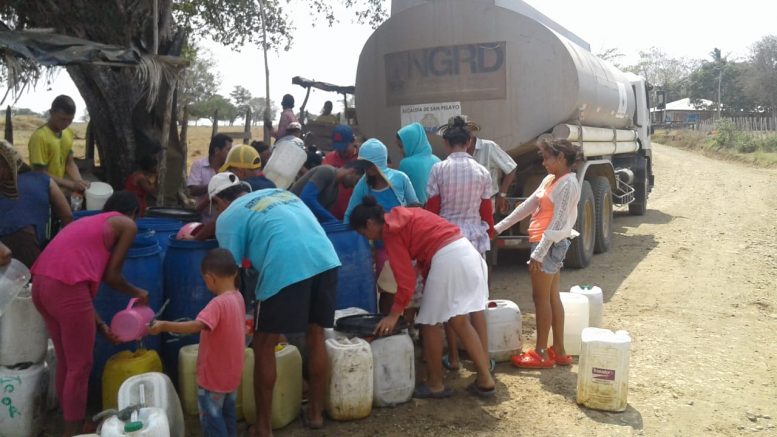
{"x":603,"y":210}
{"x":582,"y":249}
{"x":639,"y":205}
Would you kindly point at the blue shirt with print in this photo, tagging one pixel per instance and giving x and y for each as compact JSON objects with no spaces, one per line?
{"x":279,"y":235}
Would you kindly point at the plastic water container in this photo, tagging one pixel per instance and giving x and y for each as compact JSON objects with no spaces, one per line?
{"x":143,"y":268}
{"x":595,"y":303}
{"x":184,"y":286}
{"x":154,"y":389}
{"x":603,"y":373}
{"x":284,"y":164}
{"x":332,"y":332}
{"x":287,"y":392}
{"x":131,"y":323}
{"x":393,"y":359}
{"x":350,"y":391}
{"x":23,"y":335}
{"x":22,"y":400}
{"x":97,"y":194}
{"x":356,"y":275}
{"x":504,"y":324}
{"x":575,"y":320}
{"x":121,"y":367}
{"x":85,"y":213}
{"x":52,"y":402}
{"x":187,"y":378}
{"x":151,"y":422}
{"x":163,"y":229}
{"x":13,"y":277}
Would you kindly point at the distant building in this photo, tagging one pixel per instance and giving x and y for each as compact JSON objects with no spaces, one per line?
{"x":683,"y":111}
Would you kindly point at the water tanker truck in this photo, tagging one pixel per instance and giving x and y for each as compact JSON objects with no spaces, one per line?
{"x":521,"y":76}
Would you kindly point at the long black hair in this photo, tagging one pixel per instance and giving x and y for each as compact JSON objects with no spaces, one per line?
{"x":368,"y":209}
{"x":123,"y":202}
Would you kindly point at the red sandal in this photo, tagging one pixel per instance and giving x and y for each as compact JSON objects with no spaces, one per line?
{"x":563,"y":360}
{"x":532,"y":360}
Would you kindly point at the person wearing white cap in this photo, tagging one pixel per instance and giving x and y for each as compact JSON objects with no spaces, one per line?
{"x":297,"y":264}
{"x":293,"y":135}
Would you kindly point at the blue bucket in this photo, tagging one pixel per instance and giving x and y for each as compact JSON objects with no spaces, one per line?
{"x":85,"y":213}
{"x":184,"y":286}
{"x":142,"y":268}
{"x":356,"y":276}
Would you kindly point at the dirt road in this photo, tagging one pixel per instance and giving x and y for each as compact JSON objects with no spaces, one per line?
{"x":695,"y":284}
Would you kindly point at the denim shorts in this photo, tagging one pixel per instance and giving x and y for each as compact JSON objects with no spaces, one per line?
{"x":554,"y":259}
{"x":218,"y":415}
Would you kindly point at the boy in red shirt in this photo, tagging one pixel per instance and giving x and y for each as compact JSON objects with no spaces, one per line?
{"x":222,"y":344}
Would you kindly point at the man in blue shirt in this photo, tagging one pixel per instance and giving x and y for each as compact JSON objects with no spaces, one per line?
{"x":297,"y":265}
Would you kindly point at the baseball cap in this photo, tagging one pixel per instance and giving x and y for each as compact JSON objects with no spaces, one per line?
{"x":470,"y":125}
{"x":222,"y":181}
{"x":242,"y":156}
{"x":294,"y":125}
{"x":12,"y":159}
{"x":342,"y":137}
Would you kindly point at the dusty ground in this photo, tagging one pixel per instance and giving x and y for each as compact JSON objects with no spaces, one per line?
{"x":693,"y":281}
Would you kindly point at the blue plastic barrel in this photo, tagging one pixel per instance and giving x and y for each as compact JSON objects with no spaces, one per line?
{"x":356,"y":277}
{"x":184,"y":286}
{"x":142,"y":268}
{"x":163,"y":227}
{"x":145,"y":238}
{"x":85,"y":213}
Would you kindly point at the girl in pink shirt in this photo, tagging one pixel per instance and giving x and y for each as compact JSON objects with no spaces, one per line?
{"x":553,"y":210}
{"x":65,"y":280}
{"x":221,"y":325}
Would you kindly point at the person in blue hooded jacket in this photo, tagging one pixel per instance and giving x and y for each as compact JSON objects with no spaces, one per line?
{"x":390,"y":188}
{"x":418,"y":158}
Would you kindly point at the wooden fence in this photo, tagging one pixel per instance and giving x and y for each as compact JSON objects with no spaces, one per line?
{"x":742,"y":123}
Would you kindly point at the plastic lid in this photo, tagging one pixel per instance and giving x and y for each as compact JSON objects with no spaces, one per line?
{"x":133,"y":426}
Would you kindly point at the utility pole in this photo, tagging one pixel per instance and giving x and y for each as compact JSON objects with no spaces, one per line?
{"x":720,"y":79}
{"x":267,"y":136}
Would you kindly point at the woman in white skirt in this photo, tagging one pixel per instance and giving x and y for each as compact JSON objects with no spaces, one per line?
{"x":455,"y":285}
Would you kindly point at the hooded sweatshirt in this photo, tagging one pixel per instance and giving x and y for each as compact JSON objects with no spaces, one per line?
{"x":418,"y":160}
{"x":399,"y":184}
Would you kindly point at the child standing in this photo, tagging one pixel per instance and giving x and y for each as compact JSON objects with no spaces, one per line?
{"x":553,"y":210}
{"x":222,"y":344}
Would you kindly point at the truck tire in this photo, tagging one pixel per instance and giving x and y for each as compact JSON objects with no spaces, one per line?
{"x":600,"y":186}
{"x":639,"y":205}
{"x":582,"y":249}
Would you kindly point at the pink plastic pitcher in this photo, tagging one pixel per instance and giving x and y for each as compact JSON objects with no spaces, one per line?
{"x":131,"y":323}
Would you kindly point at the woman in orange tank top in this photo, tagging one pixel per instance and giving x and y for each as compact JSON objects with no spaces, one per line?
{"x":553,"y":210}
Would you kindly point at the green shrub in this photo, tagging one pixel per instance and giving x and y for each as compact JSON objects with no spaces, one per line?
{"x":725,"y":136}
{"x":769,"y":144}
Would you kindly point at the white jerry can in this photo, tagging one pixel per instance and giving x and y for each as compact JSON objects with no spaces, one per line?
{"x":350,"y":391}
{"x":504,"y":324}
{"x":393,"y":360}
{"x":187,"y":378}
{"x":575,"y":320}
{"x":23,"y":336}
{"x":150,"y":422}
{"x":603,"y":373}
{"x":23,"y":400}
{"x":154,"y":389}
{"x":595,"y":303}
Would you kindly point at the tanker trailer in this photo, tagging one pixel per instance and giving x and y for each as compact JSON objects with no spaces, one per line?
{"x":520,"y":76}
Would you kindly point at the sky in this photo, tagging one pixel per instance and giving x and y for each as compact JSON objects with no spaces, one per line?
{"x":680,"y":28}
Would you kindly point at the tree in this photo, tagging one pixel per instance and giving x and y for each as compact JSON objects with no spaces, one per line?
{"x":669,"y":74}
{"x":720,"y":81}
{"x":200,"y":81}
{"x":611,"y":55}
{"x":762,"y":84}
{"x":241,"y":96}
{"x":258,"y":105}
{"x":214,"y":106}
{"x":134,"y":109}
{"x":25,"y":111}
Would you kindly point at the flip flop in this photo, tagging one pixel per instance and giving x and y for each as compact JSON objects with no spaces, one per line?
{"x":446,"y":362}
{"x":303,"y":418}
{"x":532,"y":360}
{"x":422,"y":391}
{"x":564,"y":360}
{"x":482,"y":393}
{"x":492,"y":366}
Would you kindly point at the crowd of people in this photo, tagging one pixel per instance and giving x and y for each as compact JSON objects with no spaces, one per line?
{"x":430,"y":222}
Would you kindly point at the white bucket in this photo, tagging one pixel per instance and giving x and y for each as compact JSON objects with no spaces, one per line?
{"x":23,"y":400}
{"x":284,"y":164}
{"x":97,"y":194}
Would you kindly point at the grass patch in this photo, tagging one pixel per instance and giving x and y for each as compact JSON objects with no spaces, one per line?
{"x":725,"y":141}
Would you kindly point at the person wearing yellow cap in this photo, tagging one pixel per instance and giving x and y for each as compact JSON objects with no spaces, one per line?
{"x":244,"y":161}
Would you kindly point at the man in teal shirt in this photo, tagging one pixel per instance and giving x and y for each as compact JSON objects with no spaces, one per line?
{"x":297,"y":264}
